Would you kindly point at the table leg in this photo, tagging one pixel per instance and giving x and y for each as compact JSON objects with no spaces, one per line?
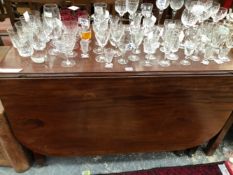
{"x":13,"y":151}
{"x":40,"y":159}
{"x":215,"y":141}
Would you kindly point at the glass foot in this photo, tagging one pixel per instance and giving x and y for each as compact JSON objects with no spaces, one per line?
{"x":137,"y":51}
{"x":150,"y":57}
{"x":195,"y":58}
{"x":172,"y":57}
{"x":164,"y":63}
{"x":147,"y":63}
{"x":218,"y":61}
{"x":122,"y":61}
{"x":72,"y":54}
{"x":98,"y":50}
{"x":117,"y":53}
{"x":100,"y":59}
{"x":133,"y":58}
{"x":205,"y":62}
{"x":162,"y":49}
{"x":53,"y":52}
{"x":185,"y":62}
{"x":84,"y":55}
{"x":68,"y":63}
{"x":225,"y":59}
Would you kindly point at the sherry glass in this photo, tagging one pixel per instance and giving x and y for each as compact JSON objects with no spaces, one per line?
{"x":100,"y":9}
{"x":117,"y":32}
{"x":68,"y":43}
{"x":146,"y":9}
{"x":161,"y":5}
{"x":221,"y":13}
{"x":51,"y":15}
{"x":176,"y":5}
{"x":166,"y":62}
{"x":189,"y":4}
{"x":136,"y":38}
{"x":52,"y":20}
{"x":189,"y":48}
{"x":214,"y":8}
{"x":123,"y":47}
{"x":109,"y":53}
{"x":120,"y":7}
{"x":102,"y":36}
{"x":208,"y":55}
{"x":84,"y":44}
{"x":188,"y":18}
{"x":71,"y":27}
{"x":223,"y":53}
{"x":132,"y":6}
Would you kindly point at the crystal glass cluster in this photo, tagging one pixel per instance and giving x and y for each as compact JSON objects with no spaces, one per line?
{"x":204,"y":33}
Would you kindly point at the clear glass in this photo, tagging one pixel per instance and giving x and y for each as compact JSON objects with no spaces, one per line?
{"x":223,"y":54}
{"x":149,"y":49}
{"x":161,"y":5}
{"x":132,"y":6}
{"x":100,"y":8}
{"x":188,"y":4}
{"x":146,"y":9}
{"x":52,"y":21}
{"x":214,"y":8}
{"x":136,"y":38}
{"x":221,"y":14}
{"x":68,"y":42}
{"x":24,"y":46}
{"x":188,"y":19}
{"x":123,"y":48}
{"x":189,"y":48}
{"x":120,"y":7}
{"x":102,"y":37}
{"x":117,"y":32}
{"x":176,"y":5}
{"x":208,"y":54}
{"x":84,"y":44}
{"x":13,"y":36}
{"x":109,"y":53}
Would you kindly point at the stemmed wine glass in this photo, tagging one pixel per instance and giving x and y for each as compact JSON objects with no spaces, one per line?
{"x":123,"y":47}
{"x":117,"y":31}
{"x":71,"y":27}
{"x":52,"y":21}
{"x":189,"y":48}
{"x":146,"y":9}
{"x":161,"y":5}
{"x":102,"y":35}
{"x":132,"y":6}
{"x":120,"y":7}
{"x":188,"y":18}
{"x":68,"y":42}
{"x":136,"y":38}
{"x":221,"y":13}
{"x":176,"y":5}
{"x":100,"y":9}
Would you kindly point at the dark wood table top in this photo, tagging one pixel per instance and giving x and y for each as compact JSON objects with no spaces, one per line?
{"x":9,"y":58}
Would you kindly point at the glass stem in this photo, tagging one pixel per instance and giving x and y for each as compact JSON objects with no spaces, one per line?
{"x":160,"y":16}
{"x":173,"y":14}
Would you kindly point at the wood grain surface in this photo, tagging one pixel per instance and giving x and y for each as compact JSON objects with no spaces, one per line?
{"x":12,"y":152}
{"x":90,"y":110}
